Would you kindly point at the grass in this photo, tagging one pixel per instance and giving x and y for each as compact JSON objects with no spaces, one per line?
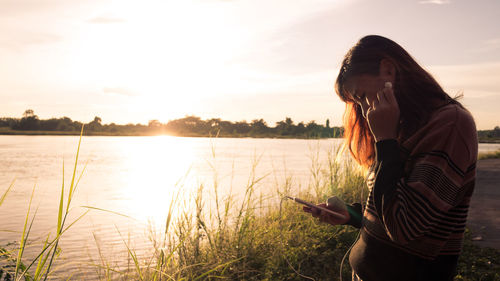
{"x":248,"y":236}
{"x":251,"y":238}
{"x":13,"y":265}
{"x":489,"y":155}
{"x":478,"y":263}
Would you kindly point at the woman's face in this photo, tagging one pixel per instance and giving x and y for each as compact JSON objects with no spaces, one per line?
{"x":363,"y":89}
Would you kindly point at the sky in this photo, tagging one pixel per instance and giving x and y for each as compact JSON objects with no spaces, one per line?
{"x":135,"y":61}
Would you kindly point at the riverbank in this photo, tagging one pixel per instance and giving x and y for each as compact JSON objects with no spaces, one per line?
{"x":484,"y":216}
{"x":489,"y":140}
{"x":69,"y":133}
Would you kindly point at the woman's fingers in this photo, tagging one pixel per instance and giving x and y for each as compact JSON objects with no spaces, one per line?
{"x":383,"y":96}
{"x":313,"y":211}
{"x":380,"y":98}
{"x":371,"y":105}
{"x":386,"y":98}
{"x":327,"y":218}
{"x":389,"y":96}
{"x":317,"y":212}
{"x":383,"y":115}
{"x":322,"y":216}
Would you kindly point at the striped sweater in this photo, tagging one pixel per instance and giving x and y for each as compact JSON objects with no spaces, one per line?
{"x":419,"y":197}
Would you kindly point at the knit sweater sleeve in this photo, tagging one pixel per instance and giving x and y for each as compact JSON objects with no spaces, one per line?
{"x":418,"y":200}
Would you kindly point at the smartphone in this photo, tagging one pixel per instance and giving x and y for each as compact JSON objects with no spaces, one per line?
{"x":308,"y":204}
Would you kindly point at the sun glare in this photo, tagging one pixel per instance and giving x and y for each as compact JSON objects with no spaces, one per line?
{"x":155,"y":174}
{"x":166,"y":52}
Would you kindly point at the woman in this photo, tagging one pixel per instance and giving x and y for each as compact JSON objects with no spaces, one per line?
{"x":420,"y":146}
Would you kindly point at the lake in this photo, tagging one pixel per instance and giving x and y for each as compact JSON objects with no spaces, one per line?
{"x":134,"y":178}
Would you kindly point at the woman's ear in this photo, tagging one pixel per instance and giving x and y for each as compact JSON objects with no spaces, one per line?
{"x":387,"y":70}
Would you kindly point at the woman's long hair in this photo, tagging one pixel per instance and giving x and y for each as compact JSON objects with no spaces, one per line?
{"x":414,"y":88}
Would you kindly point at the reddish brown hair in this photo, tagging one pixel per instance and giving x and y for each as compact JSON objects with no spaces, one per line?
{"x":414,"y":88}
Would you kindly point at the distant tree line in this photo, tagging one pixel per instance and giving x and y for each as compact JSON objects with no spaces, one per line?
{"x":489,"y":135}
{"x":187,"y":126}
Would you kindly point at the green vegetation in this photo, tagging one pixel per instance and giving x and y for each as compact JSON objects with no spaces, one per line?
{"x":478,"y":263}
{"x":489,"y":155}
{"x":189,"y":126}
{"x":492,"y":136}
{"x":249,"y":236}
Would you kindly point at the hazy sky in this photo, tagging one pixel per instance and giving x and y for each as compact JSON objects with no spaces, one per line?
{"x":133,"y":61}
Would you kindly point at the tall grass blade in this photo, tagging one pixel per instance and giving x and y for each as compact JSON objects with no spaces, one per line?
{"x":104,"y":263}
{"x":41,"y":262}
{"x":61,"y":203}
{"x":133,"y":255}
{"x":72,"y":186}
{"x":108,"y":211}
{"x":4,"y":195}
{"x":24,"y":236}
{"x":60,"y":220}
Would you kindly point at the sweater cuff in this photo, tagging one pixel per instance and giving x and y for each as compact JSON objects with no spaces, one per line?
{"x":355,"y":214}
{"x":387,"y":150}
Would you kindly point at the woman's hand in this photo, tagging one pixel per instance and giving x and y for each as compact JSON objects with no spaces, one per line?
{"x":383,"y":115}
{"x":325,"y":217}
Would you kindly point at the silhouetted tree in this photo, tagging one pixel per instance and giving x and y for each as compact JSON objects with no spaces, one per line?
{"x":496,"y":132}
{"x":285,"y":128}
{"x":313,"y":129}
{"x":95,"y":125}
{"x":241,"y":127}
{"x":300,"y":129}
{"x":29,"y":121}
{"x":11,"y":123}
{"x":154,"y":124}
{"x":50,"y":124}
{"x":258,"y":126}
{"x":28,"y":113}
